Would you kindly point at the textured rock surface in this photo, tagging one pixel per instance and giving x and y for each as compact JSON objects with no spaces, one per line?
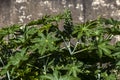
{"x":22,"y":11}
{"x":104,"y":8}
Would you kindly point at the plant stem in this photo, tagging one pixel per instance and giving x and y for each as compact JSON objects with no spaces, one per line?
{"x":67,"y":45}
{"x":81,"y":50}
{"x":44,"y":56}
{"x":8,"y":75}
{"x":75,"y":48}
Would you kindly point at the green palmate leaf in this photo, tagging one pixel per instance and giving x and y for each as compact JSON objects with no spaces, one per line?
{"x":112,"y":77}
{"x":116,"y":55}
{"x":20,"y":40}
{"x":44,"y":43}
{"x":57,"y":76}
{"x":85,"y":29}
{"x":100,"y":53}
{"x":104,"y":47}
{"x":8,"y":30}
{"x":74,"y":69}
{"x":111,"y":21}
{"x":106,"y":51}
{"x":45,"y":27}
{"x":31,"y":31}
{"x":118,"y":63}
{"x":108,"y":77}
{"x":69,"y":78}
{"x":14,"y":61}
{"x":19,"y":56}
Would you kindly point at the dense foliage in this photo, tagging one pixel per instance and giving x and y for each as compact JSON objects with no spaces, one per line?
{"x":40,"y":50}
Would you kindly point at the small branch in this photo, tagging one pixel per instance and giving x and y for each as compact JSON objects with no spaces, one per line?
{"x":81,"y":50}
{"x":75,"y":48}
{"x":44,"y":56}
{"x":2,"y":61}
{"x":67,"y":45}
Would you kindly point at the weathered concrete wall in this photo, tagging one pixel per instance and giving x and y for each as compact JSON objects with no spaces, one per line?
{"x":104,"y":8}
{"x":4,"y":12}
{"x":23,"y":11}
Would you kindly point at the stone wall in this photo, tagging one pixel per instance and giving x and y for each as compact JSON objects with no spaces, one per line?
{"x":23,"y":11}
